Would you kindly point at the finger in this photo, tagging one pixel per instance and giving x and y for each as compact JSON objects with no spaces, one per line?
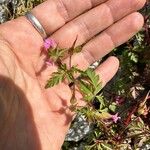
{"x":106,"y":72}
{"x":94,"y":21}
{"x":108,"y":69}
{"x":55,"y":13}
{"x":26,"y":41}
{"x":112,"y":37}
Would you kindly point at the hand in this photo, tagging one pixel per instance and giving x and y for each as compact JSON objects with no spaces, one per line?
{"x":35,"y":118}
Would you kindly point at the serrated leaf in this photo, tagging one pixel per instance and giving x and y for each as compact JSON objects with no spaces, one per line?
{"x":62,"y":68}
{"x":93,"y":77}
{"x":89,"y":84}
{"x":56,"y":78}
{"x":74,"y":69}
{"x":56,"y":54}
{"x":98,"y":89}
{"x":86,"y":91}
{"x":69,"y":78}
{"x":95,"y":81}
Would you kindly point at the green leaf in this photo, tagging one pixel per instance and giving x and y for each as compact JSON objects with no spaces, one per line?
{"x":56,"y":54}
{"x":113,"y":107}
{"x":89,"y":84}
{"x":62,"y":68}
{"x":98,"y":89}
{"x":95,"y":81}
{"x":93,"y":77}
{"x":102,"y":115}
{"x":101,"y":100}
{"x":56,"y":78}
{"x":71,"y":73}
{"x":74,"y":69}
{"x":69,"y":78}
{"x":86,"y":91}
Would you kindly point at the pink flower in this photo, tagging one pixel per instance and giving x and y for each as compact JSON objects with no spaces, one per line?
{"x":115,"y":118}
{"x":49,"y":43}
{"x":49,"y":62}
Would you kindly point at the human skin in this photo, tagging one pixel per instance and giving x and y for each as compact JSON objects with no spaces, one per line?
{"x":39,"y":118}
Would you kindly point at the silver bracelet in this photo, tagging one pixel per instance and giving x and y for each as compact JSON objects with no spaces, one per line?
{"x":37,"y":25}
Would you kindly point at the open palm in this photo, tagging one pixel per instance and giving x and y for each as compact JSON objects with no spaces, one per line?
{"x":38,"y":117}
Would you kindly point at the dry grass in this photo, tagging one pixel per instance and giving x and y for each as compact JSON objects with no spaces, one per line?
{"x":14,"y":10}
